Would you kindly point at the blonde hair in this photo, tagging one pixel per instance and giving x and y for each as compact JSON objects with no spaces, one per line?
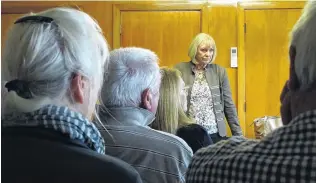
{"x":199,"y":39}
{"x":170,"y":114}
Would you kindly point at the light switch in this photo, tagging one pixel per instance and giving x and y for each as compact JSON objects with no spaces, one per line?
{"x":233,"y":57}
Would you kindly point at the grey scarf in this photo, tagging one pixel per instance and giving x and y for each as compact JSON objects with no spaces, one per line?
{"x":61,"y":119}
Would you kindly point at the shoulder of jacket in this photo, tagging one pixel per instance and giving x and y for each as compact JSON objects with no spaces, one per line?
{"x":180,"y":143}
{"x":219,"y":69}
{"x":182,"y":64}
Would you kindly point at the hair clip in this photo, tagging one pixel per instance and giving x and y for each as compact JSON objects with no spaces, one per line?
{"x":37,"y":19}
{"x":20,"y":87}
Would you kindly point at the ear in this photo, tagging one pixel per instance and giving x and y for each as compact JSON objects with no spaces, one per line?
{"x":146,"y":99}
{"x":77,"y":88}
{"x":285,"y":109}
{"x":284,"y":92}
{"x":293,"y":83}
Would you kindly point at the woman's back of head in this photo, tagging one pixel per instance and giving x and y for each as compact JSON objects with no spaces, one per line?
{"x":45,"y":50}
{"x":54,"y":63}
{"x":170,"y":114}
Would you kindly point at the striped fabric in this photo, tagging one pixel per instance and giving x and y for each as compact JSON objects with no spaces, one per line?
{"x":159,"y":157}
{"x":61,"y":119}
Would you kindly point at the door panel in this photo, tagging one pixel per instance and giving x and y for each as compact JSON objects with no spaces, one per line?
{"x":168,"y":33}
{"x":7,"y":20}
{"x":267,"y":64}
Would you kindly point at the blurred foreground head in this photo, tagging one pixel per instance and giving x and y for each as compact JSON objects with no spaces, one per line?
{"x":54,"y":57}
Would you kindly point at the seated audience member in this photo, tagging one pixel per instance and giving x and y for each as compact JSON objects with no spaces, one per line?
{"x":287,"y":154}
{"x":171,"y":115}
{"x":195,"y":136}
{"x":172,"y":102}
{"x":53,"y":62}
{"x":131,"y":98}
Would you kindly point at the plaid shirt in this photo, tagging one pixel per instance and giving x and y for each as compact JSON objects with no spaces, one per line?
{"x":287,"y":155}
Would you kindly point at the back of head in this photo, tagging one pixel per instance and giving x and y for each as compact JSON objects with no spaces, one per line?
{"x":131,"y":71}
{"x":298,"y":94}
{"x":195,"y":136}
{"x":45,"y":50}
{"x":169,"y":111}
{"x":303,"y":38}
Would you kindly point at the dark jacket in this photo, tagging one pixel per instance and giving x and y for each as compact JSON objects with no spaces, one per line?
{"x":195,"y":136}
{"x":217,"y":80}
{"x":34,"y":155}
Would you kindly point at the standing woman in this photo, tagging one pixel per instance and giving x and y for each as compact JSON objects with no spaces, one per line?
{"x":209,"y":97}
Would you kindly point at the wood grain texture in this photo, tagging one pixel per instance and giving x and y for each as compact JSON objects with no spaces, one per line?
{"x":241,"y":94}
{"x":7,"y":21}
{"x":272,"y":4}
{"x":36,"y":6}
{"x":168,"y":33}
{"x":101,"y":11}
{"x":222,"y":24}
{"x":224,"y":32}
{"x":267,"y":64}
{"x":159,"y":5}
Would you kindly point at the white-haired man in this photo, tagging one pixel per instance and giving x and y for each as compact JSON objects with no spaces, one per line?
{"x":289,"y":153}
{"x":131,"y":98}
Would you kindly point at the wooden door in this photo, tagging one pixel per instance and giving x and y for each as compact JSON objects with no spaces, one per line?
{"x":7,"y":21}
{"x":168,"y":33}
{"x":266,"y":60}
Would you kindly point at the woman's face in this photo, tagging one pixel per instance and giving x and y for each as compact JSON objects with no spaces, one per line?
{"x":204,"y":53}
{"x":183,"y":95}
